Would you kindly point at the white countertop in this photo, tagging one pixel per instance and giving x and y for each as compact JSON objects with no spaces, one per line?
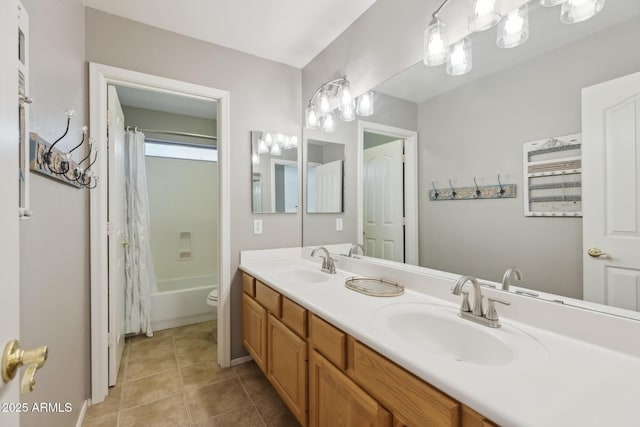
{"x":573,"y":383}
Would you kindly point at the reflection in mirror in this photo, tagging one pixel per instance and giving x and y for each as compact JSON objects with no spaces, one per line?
{"x":274,"y":160}
{"x":476,"y":125}
{"x":325,"y":174}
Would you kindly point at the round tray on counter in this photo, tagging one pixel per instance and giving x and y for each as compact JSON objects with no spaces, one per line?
{"x":374,"y":286}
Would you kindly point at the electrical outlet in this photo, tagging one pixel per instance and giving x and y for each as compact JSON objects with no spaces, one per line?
{"x":338,"y":224}
{"x":257,"y":226}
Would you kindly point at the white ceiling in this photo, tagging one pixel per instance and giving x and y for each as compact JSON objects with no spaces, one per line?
{"x":292,"y":32}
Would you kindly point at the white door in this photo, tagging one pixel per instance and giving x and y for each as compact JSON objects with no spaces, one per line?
{"x":9,"y":242}
{"x":117,"y":236}
{"x":329,"y":187}
{"x":611,"y":191}
{"x":384,"y":201}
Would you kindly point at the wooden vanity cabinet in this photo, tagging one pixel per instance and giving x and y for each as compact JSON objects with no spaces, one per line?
{"x":337,"y":401}
{"x":329,"y":379}
{"x":287,"y":367}
{"x":254,"y":330}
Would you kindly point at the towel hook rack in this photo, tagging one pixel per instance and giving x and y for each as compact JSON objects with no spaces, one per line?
{"x":435,"y":190}
{"x":453,"y":191}
{"x":502,"y":190}
{"x":477,"y":189}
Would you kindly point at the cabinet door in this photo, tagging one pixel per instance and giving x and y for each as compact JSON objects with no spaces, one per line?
{"x":335,"y":400}
{"x":471,"y":418}
{"x":254,"y":330}
{"x":287,"y":367}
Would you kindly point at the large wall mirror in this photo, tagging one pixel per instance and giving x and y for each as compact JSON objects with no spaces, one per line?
{"x":274,"y":171}
{"x":474,"y":126}
{"x":325,"y":176}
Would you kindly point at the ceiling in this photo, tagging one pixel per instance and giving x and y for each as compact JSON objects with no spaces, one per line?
{"x":292,"y":32}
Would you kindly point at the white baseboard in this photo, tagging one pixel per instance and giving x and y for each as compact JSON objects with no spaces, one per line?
{"x":241,"y":360}
{"x":83,"y":412}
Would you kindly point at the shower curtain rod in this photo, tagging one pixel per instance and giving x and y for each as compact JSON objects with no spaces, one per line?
{"x":170,"y":132}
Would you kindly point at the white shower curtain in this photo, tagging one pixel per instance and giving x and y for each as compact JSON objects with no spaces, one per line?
{"x":140,"y":274}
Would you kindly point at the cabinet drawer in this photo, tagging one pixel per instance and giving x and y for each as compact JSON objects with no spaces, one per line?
{"x":329,"y":341}
{"x":471,"y":418}
{"x":270,"y":299}
{"x":294,"y":316}
{"x":415,"y":402}
{"x":248,"y":285}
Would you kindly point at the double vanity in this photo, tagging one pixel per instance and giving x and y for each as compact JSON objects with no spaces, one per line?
{"x":339,"y":357}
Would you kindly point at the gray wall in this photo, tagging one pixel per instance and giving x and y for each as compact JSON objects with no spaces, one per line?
{"x":320,"y":228}
{"x":264,"y":95}
{"x":479,"y":129}
{"x":54,"y":243}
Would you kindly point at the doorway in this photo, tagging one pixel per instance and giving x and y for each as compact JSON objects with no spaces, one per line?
{"x":101,"y":77}
{"x":387,"y":192}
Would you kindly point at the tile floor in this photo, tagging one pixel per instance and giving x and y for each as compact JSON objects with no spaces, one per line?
{"x":172,"y":379}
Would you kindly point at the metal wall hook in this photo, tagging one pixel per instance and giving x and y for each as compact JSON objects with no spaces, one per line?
{"x":435,"y":190}
{"x":502,"y":190}
{"x":477,"y":189}
{"x":453,"y":191}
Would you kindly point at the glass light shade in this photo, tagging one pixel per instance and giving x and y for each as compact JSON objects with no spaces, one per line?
{"x":311,"y":118}
{"x":262,"y":147}
{"x":348,"y":114}
{"x":328,"y":123}
{"x":574,"y":11}
{"x":459,"y":62}
{"x":483,"y":15}
{"x":255,"y":159}
{"x":514,"y":28}
{"x":324,"y":102}
{"x":276,"y":150}
{"x":551,"y":3}
{"x":436,"y":48}
{"x":268,"y":138}
{"x":345,"y":98}
{"x":364,"y":105}
{"x":293,"y":141}
{"x":280,"y":138}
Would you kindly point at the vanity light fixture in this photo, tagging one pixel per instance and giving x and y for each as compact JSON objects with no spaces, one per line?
{"x":574,"y":11}
{"x":512,"y":31}
{"x":483,"y":15}
{"x":273,"y":143}
{"x":514,"y":28}
{"x":335,"y":98}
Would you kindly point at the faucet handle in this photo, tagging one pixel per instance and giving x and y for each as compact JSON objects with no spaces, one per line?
{"x":465,"y":306}
{"x":492,"y":314}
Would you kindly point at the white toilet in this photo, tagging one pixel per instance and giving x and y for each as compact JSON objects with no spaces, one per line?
{"x":212,"y":299}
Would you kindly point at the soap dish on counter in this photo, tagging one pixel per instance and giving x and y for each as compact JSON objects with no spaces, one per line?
{"x":374,"y":286}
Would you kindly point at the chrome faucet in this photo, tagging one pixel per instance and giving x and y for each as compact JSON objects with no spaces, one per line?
{"x":355,"y":247}
{"x":328,"y":263}
{"x":512,"y":272}
{"x":477,"y":314}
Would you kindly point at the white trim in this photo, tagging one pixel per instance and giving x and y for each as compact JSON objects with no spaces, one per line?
{"x":83,"y":412}
{"x":99,"y":76}
{"x":410,"y":180}
{"x":241,"y":360}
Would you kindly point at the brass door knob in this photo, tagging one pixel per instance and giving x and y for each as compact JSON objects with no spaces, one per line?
{"x":596,"y":253}
{"x":14,"y":357}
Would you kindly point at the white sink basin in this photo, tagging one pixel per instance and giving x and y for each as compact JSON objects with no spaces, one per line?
{"x":438,"y":330}
{"x":303,"y":276}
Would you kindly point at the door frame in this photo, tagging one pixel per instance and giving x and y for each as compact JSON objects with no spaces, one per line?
{"x":272,"y":171}
{"x":100,"y":76}
{"x":410,"y":138}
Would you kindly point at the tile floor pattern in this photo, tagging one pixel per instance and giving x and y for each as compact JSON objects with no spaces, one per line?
{"x":172,"y":379}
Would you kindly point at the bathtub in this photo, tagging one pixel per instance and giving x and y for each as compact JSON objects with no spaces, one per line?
{"x":182,"y":301}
